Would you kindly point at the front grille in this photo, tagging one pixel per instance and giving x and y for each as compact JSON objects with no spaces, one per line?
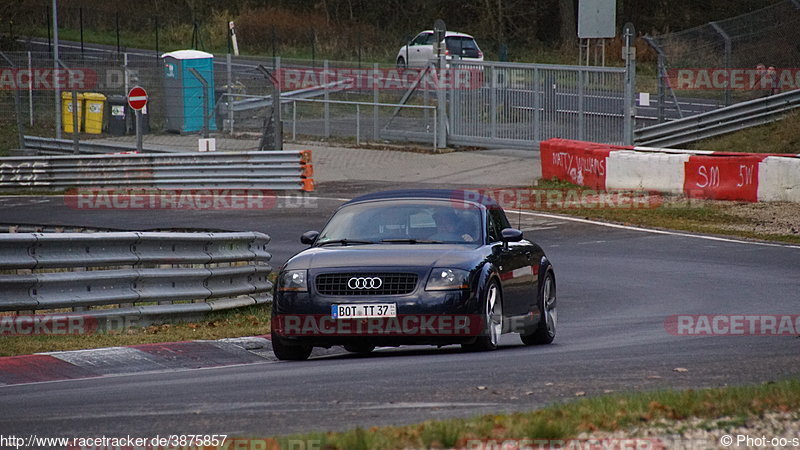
{"x":390,"y":284}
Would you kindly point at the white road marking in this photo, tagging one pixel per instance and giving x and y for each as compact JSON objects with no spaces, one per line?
{"x":652,"y":231}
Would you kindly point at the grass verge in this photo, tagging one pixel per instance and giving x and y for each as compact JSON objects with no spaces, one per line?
{"x":737,"y":219}
{"x":605,"y":413}
{"x":250,"y":321}
{"x":782,"y":136}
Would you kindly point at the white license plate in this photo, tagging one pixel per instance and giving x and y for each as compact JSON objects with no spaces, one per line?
{"x":364,"y":310}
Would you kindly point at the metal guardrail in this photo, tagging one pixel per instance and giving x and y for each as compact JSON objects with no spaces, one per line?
{"x":143,"y":274}
{"x":245,"y":102}
{"x":48,"y":228}
{"x":722,"y":121}
{"x":50,"y":146}
{"x":276,"y":170}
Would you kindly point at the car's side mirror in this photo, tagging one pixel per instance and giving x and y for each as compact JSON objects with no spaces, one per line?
{"x":309,"y":237}
{"x":511,"y":235}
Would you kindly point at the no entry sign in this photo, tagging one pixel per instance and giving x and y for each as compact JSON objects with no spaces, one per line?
{"x":137,"y":98}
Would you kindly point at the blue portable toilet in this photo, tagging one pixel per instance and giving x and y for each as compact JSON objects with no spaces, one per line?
{"x":183,"y":92}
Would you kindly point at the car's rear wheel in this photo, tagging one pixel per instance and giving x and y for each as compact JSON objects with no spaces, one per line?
{"x":359,"y":348}
{"x":493,"y":319}
{"x":401,"y":63}
{"x":289,"y":352}
{"x":548,"y":319}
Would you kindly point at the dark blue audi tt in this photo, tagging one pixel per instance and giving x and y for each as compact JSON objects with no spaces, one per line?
{"x":414,"y":267}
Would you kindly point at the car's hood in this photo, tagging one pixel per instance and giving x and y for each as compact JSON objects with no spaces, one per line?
{"x":384,"y":255}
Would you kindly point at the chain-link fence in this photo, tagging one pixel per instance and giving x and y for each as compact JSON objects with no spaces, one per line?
{"x":316,"y":103}
{"x":343,"y":102}
{"x":729,"y":60}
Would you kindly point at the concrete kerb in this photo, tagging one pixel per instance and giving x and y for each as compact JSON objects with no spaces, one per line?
{"x":144,"y":358}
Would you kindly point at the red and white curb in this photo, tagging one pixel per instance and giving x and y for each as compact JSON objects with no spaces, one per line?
{"x":144,"y":358}
{"x":752,"y":177}
{"x":100,"y":362}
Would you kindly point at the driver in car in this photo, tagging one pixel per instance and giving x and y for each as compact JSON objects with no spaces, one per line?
{"x":449,"y":228}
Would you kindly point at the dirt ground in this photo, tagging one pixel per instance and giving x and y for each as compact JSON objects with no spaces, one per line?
{"x":768,"y":217}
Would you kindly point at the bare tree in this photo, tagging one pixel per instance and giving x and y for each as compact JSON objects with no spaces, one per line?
{"x":566,"y":12}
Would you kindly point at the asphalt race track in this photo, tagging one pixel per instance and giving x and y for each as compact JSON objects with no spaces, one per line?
{"x":616,"y":287}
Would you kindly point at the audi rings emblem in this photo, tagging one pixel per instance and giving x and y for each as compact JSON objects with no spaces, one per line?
{"x":364,"y":283}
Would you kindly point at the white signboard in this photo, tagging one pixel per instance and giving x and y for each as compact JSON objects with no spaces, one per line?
{"x":597,"y":19}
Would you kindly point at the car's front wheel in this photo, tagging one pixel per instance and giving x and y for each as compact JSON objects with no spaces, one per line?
{"x":401,"y":63}
{"x":548,"y":318}
{"x":289,"y":352}
{"x":492,"y":318}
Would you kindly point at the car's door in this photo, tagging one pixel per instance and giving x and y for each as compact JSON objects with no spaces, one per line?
{"x":416,"y":50}
{"x":426,"y":50}
{"x":512,"y":262}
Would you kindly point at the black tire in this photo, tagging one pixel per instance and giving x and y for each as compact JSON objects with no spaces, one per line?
{"x":359,"y":348}
{"x":493,"y":316}
{"x":546,"y":331}
{"x":401,"y":63}
{"x":288,"y":352}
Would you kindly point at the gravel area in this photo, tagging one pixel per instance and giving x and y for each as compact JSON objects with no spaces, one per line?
{"x":765,"y":217}
{"x":778,"y":430}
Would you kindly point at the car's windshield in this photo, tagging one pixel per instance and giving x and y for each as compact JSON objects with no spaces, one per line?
{"x":405,"y":221}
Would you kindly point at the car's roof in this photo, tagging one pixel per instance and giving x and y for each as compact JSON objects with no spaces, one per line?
{"x":451,"y":34}
{"x":460,"y":195}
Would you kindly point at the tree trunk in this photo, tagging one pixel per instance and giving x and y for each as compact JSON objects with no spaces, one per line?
{"x":569,"y":28}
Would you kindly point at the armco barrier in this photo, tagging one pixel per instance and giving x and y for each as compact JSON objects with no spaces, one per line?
{"x":36,"y":145}
{"x":274,"y":170}
{"x":142,"y":274}
{"x":748,"y":177}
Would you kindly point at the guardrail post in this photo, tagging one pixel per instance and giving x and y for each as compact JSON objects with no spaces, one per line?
{"x":326,"y":106}
{"x":358,"y":124}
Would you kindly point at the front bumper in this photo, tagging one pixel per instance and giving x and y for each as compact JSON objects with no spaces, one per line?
{"x":423,"y":318}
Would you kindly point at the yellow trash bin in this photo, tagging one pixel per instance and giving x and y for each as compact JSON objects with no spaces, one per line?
{"x":94,"y":104}
{"x":66,"y":112}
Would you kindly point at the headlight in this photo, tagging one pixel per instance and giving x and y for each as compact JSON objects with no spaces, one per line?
{"x":293,"y":281}
{"x":443,"y":279}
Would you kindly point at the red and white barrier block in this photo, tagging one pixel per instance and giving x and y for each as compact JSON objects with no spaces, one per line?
{"x":749,"y":177}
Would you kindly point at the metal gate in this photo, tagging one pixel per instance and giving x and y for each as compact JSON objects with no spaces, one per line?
{"x":519,"y":105}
